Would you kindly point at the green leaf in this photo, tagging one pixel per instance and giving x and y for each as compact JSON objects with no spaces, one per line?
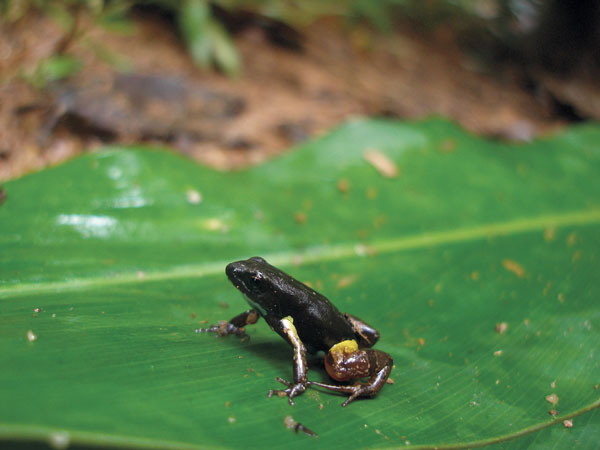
{"x":110,"y":262}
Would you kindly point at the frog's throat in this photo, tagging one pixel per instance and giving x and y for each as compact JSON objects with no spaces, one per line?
{"x":255,"y":305}
{"x":346,"y":347}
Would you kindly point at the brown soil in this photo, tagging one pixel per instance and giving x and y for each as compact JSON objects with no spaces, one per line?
{"x":283,"y":97}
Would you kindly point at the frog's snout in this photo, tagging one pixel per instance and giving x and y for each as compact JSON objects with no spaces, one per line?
{"x":237,"y":272}
{"x":233,"y":270}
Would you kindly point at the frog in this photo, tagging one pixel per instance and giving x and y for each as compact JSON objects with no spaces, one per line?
{"x":311,"y":323}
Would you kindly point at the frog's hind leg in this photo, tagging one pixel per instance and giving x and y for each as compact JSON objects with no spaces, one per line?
{"x":357,"y":364}
{"x":234,"y":326}
{"x":300,"y":365}
{"x":365,"y":334}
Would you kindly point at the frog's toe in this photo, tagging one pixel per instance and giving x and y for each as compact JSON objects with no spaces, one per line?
{"x":281,"y":393}
{"x":282,"y":381}
{"x":224,"y":328}
{"x":291,"y":391}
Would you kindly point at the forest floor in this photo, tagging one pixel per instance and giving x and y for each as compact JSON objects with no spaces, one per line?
{"x":142,"y":87}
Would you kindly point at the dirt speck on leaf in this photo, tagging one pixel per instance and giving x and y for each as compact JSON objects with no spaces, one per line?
{"x":552,"y":398}
{"x":300,"y":217}
{"x":343,"y":185}
{"x":447,"y":145}
{"x":514,"y":267}
{"x":384,"y":165}
{"x":501,"y":327}
{"x":346,"y":281}
{"x":31,"y":336}
{"x":292,"y":424}
{"x":549,"y":234}
{"x":193,"y":196}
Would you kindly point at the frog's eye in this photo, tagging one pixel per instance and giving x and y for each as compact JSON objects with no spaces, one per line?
{"x":257,"y":277}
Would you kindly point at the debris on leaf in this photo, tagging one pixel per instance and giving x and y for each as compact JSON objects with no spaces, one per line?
{"x":568,"y":423}
{"x":447,"y":145}
{"x":364,"y":250}
{"x":498,"y":353}
{"x":343,"y":185}
{"x":346,"y":281}
{"x":514,"y":267}
{"x":193,"y":196}
{"x":59,"y":440}
{"x":371,"y":193}
{"x":552,"y":398}
{"x":549,"y":233}
{"x":31,"y":336}
{"x":290,"y":423}
{"x":300,"y":217}
{"x":384,"y":165}
{"x":553,"y":412}
{"x":501,"y":327}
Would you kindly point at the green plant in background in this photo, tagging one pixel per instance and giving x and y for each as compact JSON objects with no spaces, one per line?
{"x":477,"y":261}
{"x":495,"y":23}
{"x":66,"y":14}
{"x":208,"y":41}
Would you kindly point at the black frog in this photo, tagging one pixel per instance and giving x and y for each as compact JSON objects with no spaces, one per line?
{"x":309,"y":322}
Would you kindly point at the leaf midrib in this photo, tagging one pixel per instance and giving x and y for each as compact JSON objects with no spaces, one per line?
{"x":319,"y":253}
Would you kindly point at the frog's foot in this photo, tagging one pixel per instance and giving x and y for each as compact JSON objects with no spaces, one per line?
{"x":355,"y":390}
{"x":224,"y":328}
{"x":292,"y":390}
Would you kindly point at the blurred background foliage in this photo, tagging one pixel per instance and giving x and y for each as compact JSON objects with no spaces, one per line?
{"x":555,"y":33}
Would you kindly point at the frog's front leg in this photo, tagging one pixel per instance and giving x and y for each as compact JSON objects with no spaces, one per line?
{"x":300,"y":366}
{"x":345,"y":361}
{"x":234,"y":326}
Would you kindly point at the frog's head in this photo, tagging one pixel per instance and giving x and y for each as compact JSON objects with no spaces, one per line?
{"x":253,"y":277}
{"x":264,"y":286}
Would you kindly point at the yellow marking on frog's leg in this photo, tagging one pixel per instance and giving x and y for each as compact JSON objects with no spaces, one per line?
{"x":348,"y":346}
{"x":300,"y":366}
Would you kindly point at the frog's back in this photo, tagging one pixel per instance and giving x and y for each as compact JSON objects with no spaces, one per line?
{"x":276,"y":295}
{"x":319,"y":323}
